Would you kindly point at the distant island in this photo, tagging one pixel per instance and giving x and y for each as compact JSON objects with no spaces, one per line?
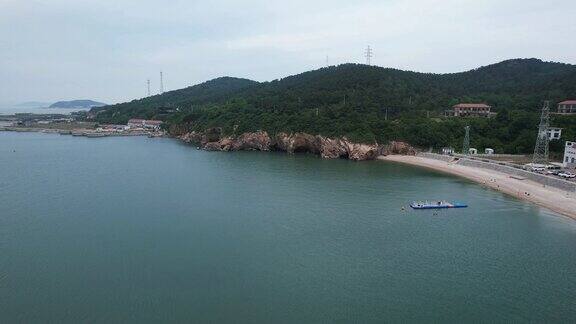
{"x":73,"y":104}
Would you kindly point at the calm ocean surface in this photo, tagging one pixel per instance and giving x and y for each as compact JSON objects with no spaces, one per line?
{"x":7,"y":110}
{"x":142,"y":230}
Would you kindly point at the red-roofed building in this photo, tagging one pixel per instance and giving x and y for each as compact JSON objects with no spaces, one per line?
{"x":470,"y":110}
{"x":567,"y":107}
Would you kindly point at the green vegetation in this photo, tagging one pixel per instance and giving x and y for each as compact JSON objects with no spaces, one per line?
{"x":368,"y":104}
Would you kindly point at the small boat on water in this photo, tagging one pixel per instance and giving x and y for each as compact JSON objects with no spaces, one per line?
{"x":436,"y":205}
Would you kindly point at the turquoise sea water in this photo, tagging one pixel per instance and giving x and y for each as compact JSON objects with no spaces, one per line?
{"x":142,"y":230}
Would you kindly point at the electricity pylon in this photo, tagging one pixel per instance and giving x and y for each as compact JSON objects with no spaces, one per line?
{"x":541,"y":148}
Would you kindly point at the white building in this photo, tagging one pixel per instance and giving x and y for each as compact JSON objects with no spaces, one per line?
{"x":143,"y":123}
{"x":488,"y":151}
{"x":569,"y":155}
{"x":554,"y":133}
{"x":472,"y":151}
{"x":447,"y":151}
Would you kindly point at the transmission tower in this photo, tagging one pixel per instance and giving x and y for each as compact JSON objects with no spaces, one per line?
{"x":368,"y":53}
{"x":466,"y":144}
{"x":161,"y":83}
{"x":541,"y":148}
{"x":148,"y":82}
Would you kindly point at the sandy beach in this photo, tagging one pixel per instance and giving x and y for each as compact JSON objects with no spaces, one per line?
{"x":554,"y":199}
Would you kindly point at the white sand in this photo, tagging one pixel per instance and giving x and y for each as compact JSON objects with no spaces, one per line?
{"x":552,"y":198}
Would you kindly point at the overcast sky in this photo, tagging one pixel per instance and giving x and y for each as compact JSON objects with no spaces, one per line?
{"x":105,"y":50}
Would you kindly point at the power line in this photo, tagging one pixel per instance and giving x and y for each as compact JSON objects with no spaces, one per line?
{"x":368,"y":54}
{"x":161,"y":83}
{"x":148,"y":82}
{"x":541,"y":148}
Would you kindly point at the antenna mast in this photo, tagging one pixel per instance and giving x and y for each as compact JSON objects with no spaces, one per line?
{"x":466,"y":144}
{"x":368,"y":53}
{"x":161,"y":83}
{"x":148,"y":83}
{"x":541,"y":148}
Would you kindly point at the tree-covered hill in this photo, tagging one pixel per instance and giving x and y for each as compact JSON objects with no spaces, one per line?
{"x":369,"y":103}
{"x":213,"y":91}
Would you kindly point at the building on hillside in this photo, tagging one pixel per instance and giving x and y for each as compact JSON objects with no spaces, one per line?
{"x":143,"y":123}
{"x":470,"y":110}
{"x":567,"y":107}
{"x":488,"y":151}
{"x":569,"y":155}
{"x":554,"y":133}
{"x":472,"y":151}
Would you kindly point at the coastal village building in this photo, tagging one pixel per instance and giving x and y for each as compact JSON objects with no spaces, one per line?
{"x":567,"y":107}
{"x":554,"y":133}
{"x":569,"y":155}
{"x":470,"y":110}
{"x":488,"y":151}
{"x":143,"y":123}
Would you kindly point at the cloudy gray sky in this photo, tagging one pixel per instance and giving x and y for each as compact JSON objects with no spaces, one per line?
{"x":105,"y":50}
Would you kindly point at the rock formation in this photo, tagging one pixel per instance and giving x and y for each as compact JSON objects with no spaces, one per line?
{"x":296,"y":143}
{"x":327,"y":148}
{"x":192,"y":137}
{"x":332,"y":148}
{"x":258,"y":141}
{"x":399,"y":148}
{"x":361,"y":152}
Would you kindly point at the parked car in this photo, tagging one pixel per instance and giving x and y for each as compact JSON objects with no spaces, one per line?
{"x":553,"y":172}
{"x":538,"y":169}
{"x":567,"y":175}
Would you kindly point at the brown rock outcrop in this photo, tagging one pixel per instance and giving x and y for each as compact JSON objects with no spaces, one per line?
{"x":361,"y":152}
{"x":332,"y":148}
{"x":258,"y":141}
{"x":398,"y":148}
{"x":224,"y":144}
{"x":297,"y":143}
{"x":192,"y":137}
{"x":327,"y":148}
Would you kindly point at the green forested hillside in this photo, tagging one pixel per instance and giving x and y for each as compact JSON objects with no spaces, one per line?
{"x":368,"y":103}
{"x":213,"y":91}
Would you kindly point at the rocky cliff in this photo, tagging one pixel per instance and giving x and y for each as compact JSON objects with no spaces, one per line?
{"x":397,"y":148}
{"x":327,"y":148}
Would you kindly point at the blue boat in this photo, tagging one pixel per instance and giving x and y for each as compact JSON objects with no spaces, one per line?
{"x":436,"y":205}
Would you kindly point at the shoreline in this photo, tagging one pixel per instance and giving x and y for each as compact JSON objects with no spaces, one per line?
{"x":81,"y":132}
{"x":556,"y":200}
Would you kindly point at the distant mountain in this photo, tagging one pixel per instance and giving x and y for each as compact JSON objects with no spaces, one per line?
{"x":73,"y":104}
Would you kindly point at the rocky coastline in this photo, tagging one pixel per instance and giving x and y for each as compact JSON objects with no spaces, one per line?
{"x":327,"y":148}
